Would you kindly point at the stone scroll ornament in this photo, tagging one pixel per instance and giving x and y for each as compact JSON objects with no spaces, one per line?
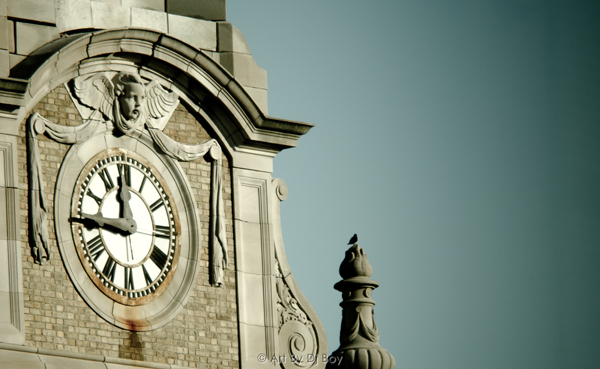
{"x":297,"y":333}
{"x":128,"y":104}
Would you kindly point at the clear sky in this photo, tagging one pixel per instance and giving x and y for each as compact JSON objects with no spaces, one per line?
{"x":461,"y":141}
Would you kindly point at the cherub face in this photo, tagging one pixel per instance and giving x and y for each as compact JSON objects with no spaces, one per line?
{"x":132,"y":100}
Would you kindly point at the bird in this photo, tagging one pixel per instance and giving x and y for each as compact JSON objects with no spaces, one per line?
{"x":353,"y":240}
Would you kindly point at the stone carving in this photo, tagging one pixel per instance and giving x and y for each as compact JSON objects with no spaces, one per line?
{"x":359,"y":337}
{"x":126,"y":104}
{"x":297,"y":334}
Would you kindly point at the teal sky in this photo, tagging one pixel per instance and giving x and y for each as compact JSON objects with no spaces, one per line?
{"x":461,"y":141}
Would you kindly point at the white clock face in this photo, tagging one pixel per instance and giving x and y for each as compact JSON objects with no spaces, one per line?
{"x":125,"y":226}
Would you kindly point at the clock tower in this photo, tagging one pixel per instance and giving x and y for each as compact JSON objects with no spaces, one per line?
{"x":140,"y":222}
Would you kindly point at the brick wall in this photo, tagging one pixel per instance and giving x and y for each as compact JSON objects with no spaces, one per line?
{"x":204,"y":334}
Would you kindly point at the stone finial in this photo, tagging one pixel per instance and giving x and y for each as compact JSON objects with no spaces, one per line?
{"x":355,"y":264}
{"x":359,"y":336}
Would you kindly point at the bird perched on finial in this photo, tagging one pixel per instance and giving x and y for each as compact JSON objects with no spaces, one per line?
{"x":353,"y":240}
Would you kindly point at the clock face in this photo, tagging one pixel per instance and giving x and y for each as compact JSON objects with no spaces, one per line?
{"x":125,"y":226}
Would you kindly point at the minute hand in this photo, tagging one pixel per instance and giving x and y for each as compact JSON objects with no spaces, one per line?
{"x":125,"y":225}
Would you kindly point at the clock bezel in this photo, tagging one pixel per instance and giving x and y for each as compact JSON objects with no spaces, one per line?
{"x":87,"y":169}
{"x":163,"y":308}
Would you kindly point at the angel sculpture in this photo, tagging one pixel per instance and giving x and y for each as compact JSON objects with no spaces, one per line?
{"x":128,"y":104}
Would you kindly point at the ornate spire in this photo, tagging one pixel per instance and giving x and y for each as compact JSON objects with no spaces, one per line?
{"x":359,"y":337}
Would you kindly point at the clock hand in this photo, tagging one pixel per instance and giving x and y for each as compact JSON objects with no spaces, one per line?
{"x":125,"y":196}
{"x":151,"y":233}
{"x":128,"y":243}
{"x":125,"y":225}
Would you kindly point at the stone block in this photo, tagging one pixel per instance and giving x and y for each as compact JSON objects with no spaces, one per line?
{"x":42,"y":11}
{"x":224,"y":32}
{"x":231,"y":39}
{"x":158,"y":5}
{"x":198,"y":33}
{"x":4,"y":32}
{"x":250,"y":254}
{"x":251,"y":299}
{"x":73,"y":14}
{"x":105,"y":16}
{"x":243,"y":99}
{"x":245,"y":69}
{"x":249,"y":202}
{"x":57,"y":362}
{"x":14,"y":59}
{"x":32,"y":36}
{"x":207,"y":9}
{"x":4,"y":285}
{"x":10,"y":34}
{"x":259,"y":96}
{"x":144,"y":18}
{"x":3,"y":7}
{"x":109,"y":2}
{"x":3,"y":232}
{"x":20,"y":360}
{"x":4,"y":63}
{"x":254,"y":343}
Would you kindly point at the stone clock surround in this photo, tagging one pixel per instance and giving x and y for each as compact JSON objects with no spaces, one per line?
{"x":164,"y":308}
{"x":248,"y":137}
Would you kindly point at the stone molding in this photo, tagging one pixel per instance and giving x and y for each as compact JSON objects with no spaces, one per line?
{"x":21,"y":357}
{"x":210,"y":88}
{"x":11,"y":291}
{"x":302,"y":333}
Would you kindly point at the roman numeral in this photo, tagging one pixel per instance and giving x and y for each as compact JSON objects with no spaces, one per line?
{"x":107,"y":179}
{"x":93,"y":196}
{"x":157,"y":204}
{"x":125,"y":173}
{"x":95,"y":247}
{"x":129,"y":279}
{"x":142,"y":185}
{"x":109,"y":269}
{"x":147,"y":276}
{"x":158,"y":257}
{"x":163,"y":232}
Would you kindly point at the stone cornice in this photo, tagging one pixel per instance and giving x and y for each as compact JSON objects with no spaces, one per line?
{"x":214,"y":88}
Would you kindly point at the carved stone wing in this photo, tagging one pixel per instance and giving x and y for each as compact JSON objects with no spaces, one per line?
{"x":94,"y":93}
{"x":160,"y":105}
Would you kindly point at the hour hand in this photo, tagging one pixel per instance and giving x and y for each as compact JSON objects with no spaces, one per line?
{"x":128,"y":226}
{"x":125,"y":196}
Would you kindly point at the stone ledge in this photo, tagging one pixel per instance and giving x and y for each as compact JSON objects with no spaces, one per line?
{"x":82,"y":358}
